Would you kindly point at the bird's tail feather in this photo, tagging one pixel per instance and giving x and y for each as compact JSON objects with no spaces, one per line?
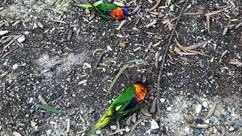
{"x":102,"y":121}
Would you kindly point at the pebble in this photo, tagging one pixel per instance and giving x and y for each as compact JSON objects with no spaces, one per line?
{"x":153,"y":125}
{"x":16,"y":133}
{"x":83,"y":82}
{"x":127,"y":129}
{"x":98,"y":132}
{"x":21,"y":39}
{"x":198,"y":109}
{"x":213,"y":120}
{"x":87,"y":65}
{"x":199,"y":121}
{"x":33,"y":124}
{"x":113,"y":127}
{"x":3,"y":32}
{"x":231,"y":129}
{"x":187,"y":129}
{"x":109,"y":48}
{"x":162,"y":100}
{"x":40,"y":25}
{"x":207,"y":121}
{"x":15,"y":66}
{"x":205,"y":104}
{"x":168,"y":108}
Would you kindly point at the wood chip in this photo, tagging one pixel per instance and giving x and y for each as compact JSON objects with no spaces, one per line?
{"x":121,"y":24}
{"x":4,"y":32}
{"x":236,"y":62}
{"x":211,"y":111}
{"x":42,"y":100}
{"x":153,"y":22}
{"x":154,"y":7}
{"x":21,"y":39}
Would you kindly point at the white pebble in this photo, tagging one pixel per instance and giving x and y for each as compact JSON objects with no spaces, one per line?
{"x":21,"y":39}
{"x":113,"y":127}
{"x":33,"y":124}
{"x":48,"y":132}
{"x":3,"y":32}
{"x":205,"y":104}
{"x":87,"y":65}
{"x":109,"y":48}
{"x":98,"y":132}
{"x":198,"y":108}
{"x":168,"y":108}
{"x":231,"y":129}
{"x":187,"y":129}
{"x":207,"y":121}
{"x":16,"y":133}
{"x":162,"y":100}
{"x":153,"y":125}
{"x":84,"y":82}
{"x":127,"y":129}
{"x":15,"y":66}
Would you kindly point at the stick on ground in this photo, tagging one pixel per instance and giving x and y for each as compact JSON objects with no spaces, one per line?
{"x":163,"y":63}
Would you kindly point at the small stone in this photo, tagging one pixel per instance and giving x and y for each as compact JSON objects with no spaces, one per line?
{"x":127,"y":129}
{"x":21,"y":39}
{"x":3,"y":32}
{"x":187,"y":129}
{"x":199,"y":121}
{"x":207,"y":121}
{"x":168,"y":108}
{"x":31,"y":99}
{"x":213,"y":120}
{"x":16,"y":133}
{"x":87,"y":65}
{"x":15,"y":66}
{"x":98,"y":132}
{"x":205,"y":104}
{"x":40,"y":25}
{"x":122,"y":44}
{"x":83,"y":82}
{"x":33,"y":124}
{"x":198,"y":109}
{"x":231,"y":129}
{"x":109,"y":48}
{"x":162,"y":100}
{"x":113,"y":127}
{"x":153,"y":125}
{"x":48,"y":132}
{"x":188,"y":118}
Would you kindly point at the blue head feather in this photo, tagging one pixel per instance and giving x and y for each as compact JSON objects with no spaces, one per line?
{"x":126,"y":11}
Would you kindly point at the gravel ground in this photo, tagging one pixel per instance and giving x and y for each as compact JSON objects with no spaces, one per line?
{"x":56,"y":54}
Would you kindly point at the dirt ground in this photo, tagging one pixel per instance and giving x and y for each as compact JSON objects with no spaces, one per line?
{"x":54,"y":53}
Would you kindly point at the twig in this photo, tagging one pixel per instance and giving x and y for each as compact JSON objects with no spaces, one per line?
{"x":118,"y":131}
{"x":136,"y":124}
{"x":117,"y":76}
{"x":100,"y":58}
{"x":207,"y":15}
{"x":157,"y":3}
{"x":163,"y":63}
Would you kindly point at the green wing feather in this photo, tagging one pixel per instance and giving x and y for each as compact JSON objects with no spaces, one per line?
{"x":124,"y":98}
{"x":100,"y":5}
{"x":106,"y":6}
{"x":115,"y":110}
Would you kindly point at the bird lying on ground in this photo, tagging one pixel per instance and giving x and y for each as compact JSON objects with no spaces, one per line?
{"x":106,"y":10}
{"x":126,"y":103}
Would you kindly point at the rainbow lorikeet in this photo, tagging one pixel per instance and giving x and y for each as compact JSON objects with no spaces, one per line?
{"x":107,"y":10}
{"x":127,"y":102}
